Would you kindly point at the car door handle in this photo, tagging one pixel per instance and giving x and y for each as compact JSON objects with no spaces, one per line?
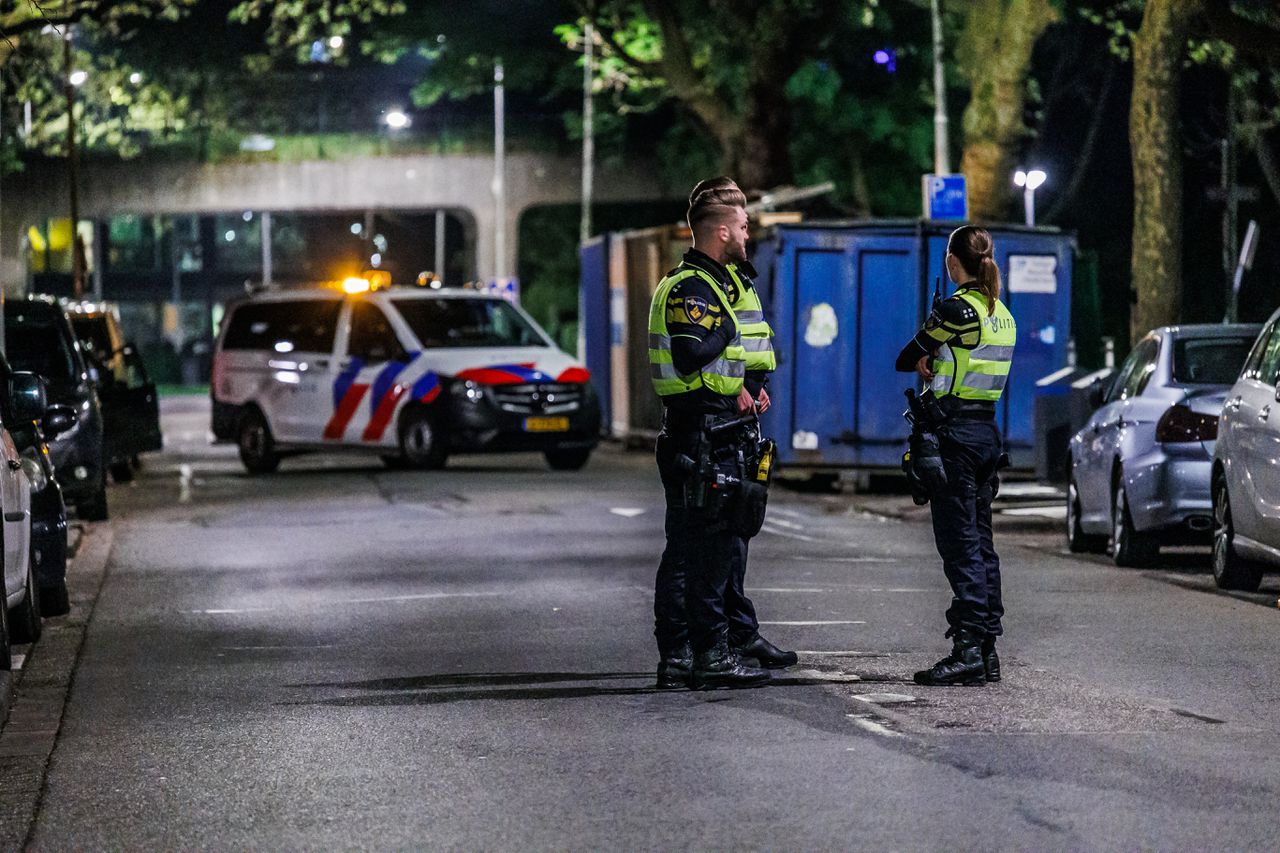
{"x":1234,"y":403}
{"x":320,"y":363}
{"x":14,"y":464}
{"x":1264,"y":413}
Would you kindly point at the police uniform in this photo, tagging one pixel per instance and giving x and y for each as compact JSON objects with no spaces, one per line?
{"x":972,"y":351}
{"x":757,"y":344}
{"x":698,"y":366}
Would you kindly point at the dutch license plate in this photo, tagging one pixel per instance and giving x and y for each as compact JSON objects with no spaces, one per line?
{"x":546,"y":424}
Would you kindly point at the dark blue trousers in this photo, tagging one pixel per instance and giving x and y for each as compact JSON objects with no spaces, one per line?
{"x":694,"y":574}
{"x":962,"y":524}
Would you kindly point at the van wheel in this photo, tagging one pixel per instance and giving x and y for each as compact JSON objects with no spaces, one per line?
{"x":1128,"y":547}
{"x":24,"y":620}
{"x":422,"y":441}
{"x":122,"y":471}
{"x":1230,"y":571}
{"x":257,"y":446}
{"x":574,"y":459}
{"x":1078,"y":541}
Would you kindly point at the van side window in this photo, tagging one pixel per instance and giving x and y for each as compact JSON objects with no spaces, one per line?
{"x":372,"y":337}
{"x":284,"y":327}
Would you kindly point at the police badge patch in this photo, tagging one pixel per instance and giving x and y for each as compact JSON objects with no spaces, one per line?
{"x":695,"y":307}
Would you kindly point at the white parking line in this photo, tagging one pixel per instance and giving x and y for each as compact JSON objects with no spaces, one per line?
{"x":627,"y":511}
{"x":790,"y":525}
{"x":864,"y":722}
{"x":1036,"y":511}
{"x":767,"y":529}
{"x":184,"y":483}
{"x":843,"y":559}
{"x":812,"y":623}
{"x":784,"y":589}
{"x":420,"y":597}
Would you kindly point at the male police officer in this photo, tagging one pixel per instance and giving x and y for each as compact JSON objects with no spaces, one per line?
{"x":698,"y":365}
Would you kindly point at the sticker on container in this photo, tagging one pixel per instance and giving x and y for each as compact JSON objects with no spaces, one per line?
{"x":823,"y":327}
{"x":803,"y":440}
{"x":1033,"y":273}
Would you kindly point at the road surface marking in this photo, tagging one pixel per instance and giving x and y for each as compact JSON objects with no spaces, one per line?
{"x":843,"y":559}
{"x":1030,"y":489}
{"x":18,"y":661}
{"x":627,"y":511}
{"x":784,"y":589}
{"x":790,"y":525}
{"x":1036,"y":511}
{"x":767,"y":529}
{"x":811,"y":623}
{"x":223,"y":610}
{"x":864,"y":721}
{"x":184,"y":483}
{"x":847,"y":653}
{"x":419,"y":597}
{"x":885,"y":698}
{"x":787,"y":512}
{"x":819,"y":675}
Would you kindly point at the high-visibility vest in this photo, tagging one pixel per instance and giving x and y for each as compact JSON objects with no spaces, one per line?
{"x":724,"y":375}
{"x":982,"y":371}
{"x":756,"y":334}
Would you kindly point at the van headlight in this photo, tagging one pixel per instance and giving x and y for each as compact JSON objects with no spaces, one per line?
{"x":34,"y":471}
{"x":467,"y":390}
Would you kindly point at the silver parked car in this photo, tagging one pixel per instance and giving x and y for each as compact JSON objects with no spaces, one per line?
{"x":1246,"y":470}
{"x":1140,"y":468}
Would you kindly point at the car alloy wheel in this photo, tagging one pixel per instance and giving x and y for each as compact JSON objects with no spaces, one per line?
{"x":1079,"y":542}
{"x":257,"y":446}
{"x":422,"y":441}
{"x":1230,"y":571}
{"x":1128,"y":547}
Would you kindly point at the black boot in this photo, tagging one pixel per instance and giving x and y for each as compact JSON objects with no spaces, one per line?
{"x":720,"y":667}
{"x":766,"y":653}
{"x":963,"y":666}
{"x":990,"y":660}
{"x":676,"y":669}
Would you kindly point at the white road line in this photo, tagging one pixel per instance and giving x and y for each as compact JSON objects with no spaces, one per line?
{"x":885,"y":698}
{"x":767,"y":529}
{"x":259,"y":648}
{"x":419,"y":597}
{"x":1036,"y":511}
{"x":219,"y":611}
{"x":819,"y":675}
{"x":805,"y":559}
{"x":847,"y":653}
{"x":627,"y":511}
{"x":864,"y":722}
{"x":790,"y":525}
{"x":784,"y":589}
{"x":18,"y":661}
{"x":791,"y":513}
{"x":812,"y":623}
{"x":184,"y":483}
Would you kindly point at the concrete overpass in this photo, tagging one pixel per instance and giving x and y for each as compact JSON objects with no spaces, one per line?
{"x":461,"y":184}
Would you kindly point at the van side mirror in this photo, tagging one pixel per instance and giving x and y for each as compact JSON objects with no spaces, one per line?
{"x":27,"y":397}
{"x":57,"y":420}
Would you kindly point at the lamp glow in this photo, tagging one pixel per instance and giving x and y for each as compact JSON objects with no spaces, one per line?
{"x":355,"y":285}
{"x":78,"y":78}
{"x":397,"y":120}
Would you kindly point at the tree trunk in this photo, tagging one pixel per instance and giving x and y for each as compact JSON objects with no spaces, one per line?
{"x":759,"y":158}
{"x":1156,"y":141}
{"x":995,"y":56}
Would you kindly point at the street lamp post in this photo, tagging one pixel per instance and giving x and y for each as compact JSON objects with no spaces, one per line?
{"x":73,"y":165}
{"x":941,"y":155}
{"x":1030,"y":182}
{"x":499,"y":174}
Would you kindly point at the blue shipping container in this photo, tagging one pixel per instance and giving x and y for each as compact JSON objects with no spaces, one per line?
{"x":844,"y":297}
{"x":593,"y":318}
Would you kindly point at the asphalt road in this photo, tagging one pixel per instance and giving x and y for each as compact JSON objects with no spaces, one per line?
{"x":340,"y":656}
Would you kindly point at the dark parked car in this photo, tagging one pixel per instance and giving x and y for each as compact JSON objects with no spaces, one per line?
{"x":39,"y":339}
{"x":130,"y":406}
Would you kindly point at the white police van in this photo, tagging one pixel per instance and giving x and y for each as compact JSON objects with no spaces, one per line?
{"x":411,"y":373}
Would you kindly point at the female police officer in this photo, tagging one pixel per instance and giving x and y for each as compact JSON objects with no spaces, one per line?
{"x":964,"y":351}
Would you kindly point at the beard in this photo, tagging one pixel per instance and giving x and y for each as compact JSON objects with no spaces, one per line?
{"x":735,"y":253}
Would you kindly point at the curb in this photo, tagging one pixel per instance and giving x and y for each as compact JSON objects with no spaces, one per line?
{"x":38,"y":693}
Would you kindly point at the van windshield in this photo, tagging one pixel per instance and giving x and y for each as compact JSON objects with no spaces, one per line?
{"x":467,"y":323}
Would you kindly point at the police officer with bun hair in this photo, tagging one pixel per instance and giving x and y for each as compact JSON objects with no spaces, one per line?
{"x":964,"y":352}
{"x":698,"y":365}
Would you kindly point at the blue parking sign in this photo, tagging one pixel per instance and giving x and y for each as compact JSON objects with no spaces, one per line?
{"x":945,"y":197}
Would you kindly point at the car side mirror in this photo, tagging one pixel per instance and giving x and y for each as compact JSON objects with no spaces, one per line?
{"x":57,"y":420}
{"x":27,"y":397}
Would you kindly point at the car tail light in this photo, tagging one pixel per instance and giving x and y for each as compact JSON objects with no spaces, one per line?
{"x":1182,"y":424}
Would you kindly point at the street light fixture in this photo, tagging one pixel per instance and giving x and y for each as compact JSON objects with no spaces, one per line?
{"x":1030,"y":182}
{"x":336,"y":42}
{"x":78,"y":77}
{"x":396,"y":120}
